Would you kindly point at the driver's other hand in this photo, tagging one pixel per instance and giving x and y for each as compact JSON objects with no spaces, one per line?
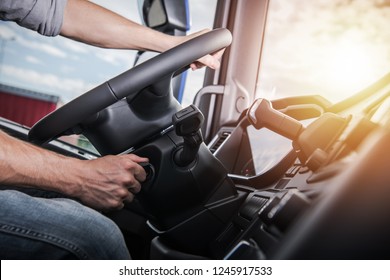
{"x":211,"y":60}
{"x":108,"y":182}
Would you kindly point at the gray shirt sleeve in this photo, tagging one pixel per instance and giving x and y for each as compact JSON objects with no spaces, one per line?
{"x":44,"y":16}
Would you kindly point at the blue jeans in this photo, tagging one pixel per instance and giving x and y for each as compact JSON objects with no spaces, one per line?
{"x":55,"y":228}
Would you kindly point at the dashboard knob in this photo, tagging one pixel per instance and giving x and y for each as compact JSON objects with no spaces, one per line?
{"x":289,"y":207}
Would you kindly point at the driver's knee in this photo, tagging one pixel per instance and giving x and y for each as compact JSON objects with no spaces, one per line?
{"x":57,"y":228}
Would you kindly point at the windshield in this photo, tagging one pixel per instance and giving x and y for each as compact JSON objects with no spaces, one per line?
{"x":330,"y":48}
{"x":65,"y":68}
{"x":38,"y":73}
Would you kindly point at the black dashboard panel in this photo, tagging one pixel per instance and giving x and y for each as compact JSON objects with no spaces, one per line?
{"x":336,"y":208}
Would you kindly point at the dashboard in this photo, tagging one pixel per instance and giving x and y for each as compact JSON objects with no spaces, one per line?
{"x":331,"y":201}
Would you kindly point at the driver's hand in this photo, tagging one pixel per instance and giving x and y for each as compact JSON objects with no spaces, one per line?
{"x":211,"y":60}
{"x":108,"y":182}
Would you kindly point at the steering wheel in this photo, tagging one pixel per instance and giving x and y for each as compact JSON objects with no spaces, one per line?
{"x":127,"y":85}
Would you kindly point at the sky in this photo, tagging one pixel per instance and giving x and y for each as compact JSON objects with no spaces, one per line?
{"x":59,"y":66}
{"x":329,"y":47}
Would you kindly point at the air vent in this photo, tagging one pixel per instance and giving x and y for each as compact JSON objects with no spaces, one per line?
{"x":219,"y":141}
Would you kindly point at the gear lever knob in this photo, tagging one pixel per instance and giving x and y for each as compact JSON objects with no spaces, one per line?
{"x":187,"y":124}
{"x":261,"y":114}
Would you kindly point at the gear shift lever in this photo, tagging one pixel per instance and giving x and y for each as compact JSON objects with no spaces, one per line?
{"x":187,"y":124}
{"x":261,"y":114}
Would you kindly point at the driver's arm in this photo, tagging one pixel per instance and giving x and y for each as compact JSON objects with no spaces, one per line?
{"x":92,"y":24}
{"x":103,"y":184}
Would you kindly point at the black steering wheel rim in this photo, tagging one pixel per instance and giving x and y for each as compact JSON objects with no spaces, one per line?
{"x":127,"y":84}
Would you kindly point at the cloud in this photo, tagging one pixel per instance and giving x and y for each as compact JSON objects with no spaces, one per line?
{"x":33,"y":59}
{"x":7,"y":33}
{"x":66,"y":88}
{"x":75,"y":46}
{"x":116,"y":57}
{"x":65,"y":69}
{"x":29,"y":39}
{"x":47,"y":48}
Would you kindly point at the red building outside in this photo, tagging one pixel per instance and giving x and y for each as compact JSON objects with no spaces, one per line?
{"x":25,"y":106}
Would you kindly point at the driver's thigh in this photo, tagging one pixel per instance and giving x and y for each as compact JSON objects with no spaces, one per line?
{"x":57,"y":228}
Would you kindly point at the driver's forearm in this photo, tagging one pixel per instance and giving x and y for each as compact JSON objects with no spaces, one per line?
{"x":24,"y":164}
{"x":87,"y":22}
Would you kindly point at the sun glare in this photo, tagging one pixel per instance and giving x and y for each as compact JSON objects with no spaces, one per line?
{"x":351,"y":67}
{"x":331,"y":48}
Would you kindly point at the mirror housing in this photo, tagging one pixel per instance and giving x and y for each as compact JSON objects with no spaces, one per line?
{"x":166,"y":15}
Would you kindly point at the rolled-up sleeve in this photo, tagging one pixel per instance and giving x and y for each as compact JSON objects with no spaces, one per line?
{"x":44,"y":16}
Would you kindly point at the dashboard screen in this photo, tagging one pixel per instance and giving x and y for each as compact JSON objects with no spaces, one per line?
{"x":267,"y":148}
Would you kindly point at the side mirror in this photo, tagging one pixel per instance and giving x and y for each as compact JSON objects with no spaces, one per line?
{"x":168,"y":16}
